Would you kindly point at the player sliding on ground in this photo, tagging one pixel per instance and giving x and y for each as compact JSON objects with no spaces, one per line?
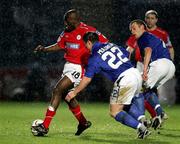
{"x":126,"y":105}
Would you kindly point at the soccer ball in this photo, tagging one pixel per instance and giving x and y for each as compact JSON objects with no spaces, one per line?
{"x":34,"y":124}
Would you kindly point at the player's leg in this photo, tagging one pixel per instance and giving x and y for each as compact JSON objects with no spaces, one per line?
{"x":137,"y":107}
{"x":152,"y":98}
{"x":170,"y":73}
{"x":123,"y":92}
{"x":150,"y":109}
{"x":155,"y":75}
{"x":137,"y":110}
{"x":75,"y":108}
{"x":116,"y":111}
{"x":62,"y":85}
{"x":74,"y":73}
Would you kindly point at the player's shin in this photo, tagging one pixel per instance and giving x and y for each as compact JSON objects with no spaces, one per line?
{"x":78,"y":114}
{"x":137,"y":109}
{"x":153,"y":100}
{"x":49,"y":116}
{"x":126,"y":119}
{"x":150,"y":109}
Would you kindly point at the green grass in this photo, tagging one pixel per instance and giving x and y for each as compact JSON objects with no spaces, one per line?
{"x":16,"y":119}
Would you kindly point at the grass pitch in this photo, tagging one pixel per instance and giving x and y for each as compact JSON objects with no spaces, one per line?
{"x":16,"y":119}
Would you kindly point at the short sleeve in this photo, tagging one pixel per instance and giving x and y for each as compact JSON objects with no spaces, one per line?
{"x":131,"y":42}
{"x":92,"y":67}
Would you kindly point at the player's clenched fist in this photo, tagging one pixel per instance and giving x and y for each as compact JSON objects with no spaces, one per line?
{"x":39,"y":48}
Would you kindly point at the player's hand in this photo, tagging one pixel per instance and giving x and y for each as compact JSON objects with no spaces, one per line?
{"x":69,"y":96}
{"x":39,"y":48}
{"x":145,"y":76}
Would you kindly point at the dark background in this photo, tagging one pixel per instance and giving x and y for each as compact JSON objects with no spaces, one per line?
{"x":24,"y":24}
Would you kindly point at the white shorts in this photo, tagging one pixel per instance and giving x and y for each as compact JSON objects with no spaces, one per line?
{"x":140,"y":66}
{"x":160,"y":71}
{"x":74,"y":72}
{"x":127,"y":85}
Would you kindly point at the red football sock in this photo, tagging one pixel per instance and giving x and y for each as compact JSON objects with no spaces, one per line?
{"x":49,"y":115}
{"x":78,"y":114}
{"x":150,"y":109}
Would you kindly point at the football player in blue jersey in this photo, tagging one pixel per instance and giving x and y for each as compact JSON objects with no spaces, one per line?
{"x":126,"y":105}
{"x":158,"y":66}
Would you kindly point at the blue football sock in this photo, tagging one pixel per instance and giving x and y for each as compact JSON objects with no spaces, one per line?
{"x":126,"y":119}
{"x":153,"y":100}
{"x":137,"y":109}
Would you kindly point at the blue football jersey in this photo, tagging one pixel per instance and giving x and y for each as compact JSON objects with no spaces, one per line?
{"x":159,"y":49}
{"x":108,"y":59}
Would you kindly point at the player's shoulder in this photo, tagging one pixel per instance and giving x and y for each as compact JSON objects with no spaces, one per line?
{"x":131,"y":38}
{"x":161,"y":31}
{"x":145,"y":37}
{"x":93,"y":59}
{"x":84,"y":26}
{"x":62,"y":34}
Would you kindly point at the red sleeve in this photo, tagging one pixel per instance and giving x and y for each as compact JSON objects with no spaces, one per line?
{"x":131,"y":41}
{"x":102,"y":38}
{"x":168,"y":41}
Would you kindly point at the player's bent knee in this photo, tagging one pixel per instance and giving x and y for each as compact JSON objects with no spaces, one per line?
{"x":113,"y":114}
{"x":57,"y":92}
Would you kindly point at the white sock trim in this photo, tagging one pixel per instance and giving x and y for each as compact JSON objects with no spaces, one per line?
{"x":158,"y":105}
{"x":139,"y":125}
{"x":50,"y":108}
{"x":140,"y":117}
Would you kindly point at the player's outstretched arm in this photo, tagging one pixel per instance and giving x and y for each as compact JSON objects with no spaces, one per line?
{"x":84,"y":82}
{"x":50,"y":48}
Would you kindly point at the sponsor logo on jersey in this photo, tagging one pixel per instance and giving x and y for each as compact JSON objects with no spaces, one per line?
{"x":72,"y":45}
{"x":78,"y":37}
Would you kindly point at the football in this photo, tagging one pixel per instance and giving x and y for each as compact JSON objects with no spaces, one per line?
{"x":34,"y":124}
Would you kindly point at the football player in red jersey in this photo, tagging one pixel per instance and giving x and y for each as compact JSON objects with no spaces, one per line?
{"x":151,"y":19}
{"x":76,"y":56}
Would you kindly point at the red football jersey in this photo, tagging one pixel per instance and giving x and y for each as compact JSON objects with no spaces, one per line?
{"x":132,"y":42}
{"x":163,"y":35}
{"x":72,"y":43}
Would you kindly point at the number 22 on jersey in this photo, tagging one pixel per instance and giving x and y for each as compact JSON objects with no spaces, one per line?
{"x":115,"y":57}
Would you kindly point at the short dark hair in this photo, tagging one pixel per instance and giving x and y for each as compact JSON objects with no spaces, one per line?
{"x":151,"y":12}
{"x":69,"y":12}
{"x":139,"y":22}
{"x":91,"y":36}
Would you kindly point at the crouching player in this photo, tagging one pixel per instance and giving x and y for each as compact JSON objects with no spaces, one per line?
{"x":158,"y":66}
{"x":112,"y":61}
